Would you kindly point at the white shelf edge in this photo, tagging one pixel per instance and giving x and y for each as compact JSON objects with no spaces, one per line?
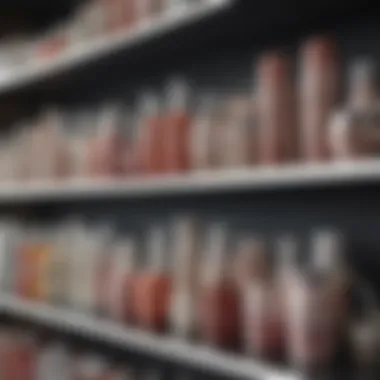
{"x":219,"y":181}
{"x":197,"y":356}
{"x":89,"y":51}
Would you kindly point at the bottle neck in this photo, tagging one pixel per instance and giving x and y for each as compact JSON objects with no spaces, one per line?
{"x":156,"y":250}
{"x":327,"y":254}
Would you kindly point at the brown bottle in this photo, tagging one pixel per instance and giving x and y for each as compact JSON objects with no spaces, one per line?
{"x":319,"y":86}
{"x":153,"y":289}
{"x":177,"y":127}
{"x":185,"y":278}
{"x":219,"y":305}
{"x":262,"y":322}
{"x":276,"y":110}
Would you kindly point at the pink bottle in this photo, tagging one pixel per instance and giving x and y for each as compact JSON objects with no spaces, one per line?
{"x":276,"y":110}
{"x":262,"y":322}
{"x":319,"y":87}
{"x":317,"y":306}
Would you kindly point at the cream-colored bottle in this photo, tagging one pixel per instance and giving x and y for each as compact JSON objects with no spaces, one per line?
{"x":185,"y":253}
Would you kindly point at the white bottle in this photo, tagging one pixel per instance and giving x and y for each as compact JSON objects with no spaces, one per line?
{"x":186,"y":277}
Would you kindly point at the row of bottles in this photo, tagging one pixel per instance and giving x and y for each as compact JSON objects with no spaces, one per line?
{"x":247,"y":294}
{"x":90,"y":21}
{"x":24,"y":355}
{"x":271,"y":125}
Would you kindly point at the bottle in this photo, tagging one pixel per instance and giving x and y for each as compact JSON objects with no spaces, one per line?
{"x":319,"y":303}
{"x":202,"y":134}
{"x":319,"y":87}
{"x":185,"y":277}
{"x":262,"y":319}
{"x":109,"y":146}
{"x":237,"y":133}
{"x":54,"y":361}
{"x":354,"y":130}
{"x":154,"y":286}
{"x":177,"y":126}
{"x":55,"y":163}
{"x":246,"y":264}
{"x":151,"y":138}
{"x":365,"y":345}
{"x":10,"y":236}
{"x":219,"y":305}
{"x":276,"y":110}
{"x":120,"y":282}
{"x":32,"y":266}
{"x":362,"y":84}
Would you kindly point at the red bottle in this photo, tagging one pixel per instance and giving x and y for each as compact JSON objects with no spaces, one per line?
{"x":152,"y":290}
{"x":219,"y":306}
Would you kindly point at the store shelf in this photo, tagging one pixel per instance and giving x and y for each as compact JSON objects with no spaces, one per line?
{"x":87,"y":52}
{"x":177,"y":351}
{"x":223,"y":181}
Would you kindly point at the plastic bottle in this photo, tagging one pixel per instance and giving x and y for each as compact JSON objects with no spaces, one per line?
{"x":219,"y":303}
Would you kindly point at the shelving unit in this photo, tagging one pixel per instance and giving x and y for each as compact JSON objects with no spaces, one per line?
{"x":118,"y":336}
{"x":298,"y":176}
{"x":87,"y":52}
{"x":232,"y":23}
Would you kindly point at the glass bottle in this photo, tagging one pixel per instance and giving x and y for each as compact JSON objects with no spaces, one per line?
{"x":219,"y":302}
{"x":177,"y":126}
{"x":276,"y":110}
{"x":121,"y":280}
{"x":154,"y":286}
{"x":319,"y":90}
{"x":185,"y":277}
